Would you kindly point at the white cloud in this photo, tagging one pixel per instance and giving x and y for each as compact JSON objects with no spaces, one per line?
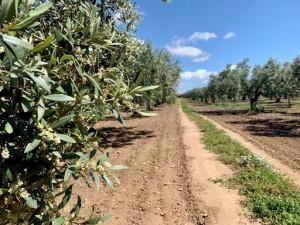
{"x":229,"y":35}
{"x":180,"y":46}
{"x":141,"y":41}
{"x":202,"y":36}
{"x":185,"y":51}
{"x":201,"y":59}
{"x":198,"y":74}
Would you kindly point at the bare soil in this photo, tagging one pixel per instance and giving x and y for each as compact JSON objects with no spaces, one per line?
{"x":277,"y":134}
{"x":156,"y":188}
{"x":170,"y":175}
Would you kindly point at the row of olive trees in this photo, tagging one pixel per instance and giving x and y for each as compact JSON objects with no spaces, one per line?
{"x":157,"y":67}
{"x":197,"y":94}
{"x":161,"y":70}
{"x":240,"y":82}
{"x":61,"y":70}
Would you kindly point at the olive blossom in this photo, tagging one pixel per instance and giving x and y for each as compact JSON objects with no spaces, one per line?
{"x":64,"y":65}
{"x":5,"y":153}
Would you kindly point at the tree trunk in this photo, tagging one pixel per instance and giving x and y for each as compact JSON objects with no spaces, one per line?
{"x":213,"y":99}
{"x":278,"y":100}
{"x":149,"y":105}
{"x":254,"y":100}
{"x":206,"y":99}
{"x":289,"y":100}
{"x":253,"y":103}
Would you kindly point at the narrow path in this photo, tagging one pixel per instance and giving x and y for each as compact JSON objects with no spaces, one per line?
{"x":279,"y":166}
{"x":223,"y":204}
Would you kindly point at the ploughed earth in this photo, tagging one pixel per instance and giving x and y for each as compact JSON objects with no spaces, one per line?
{"x":155,"y":189}
{"x":170,"y":175}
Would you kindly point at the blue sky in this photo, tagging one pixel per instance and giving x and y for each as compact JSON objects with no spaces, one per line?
{"x":206,"y":35}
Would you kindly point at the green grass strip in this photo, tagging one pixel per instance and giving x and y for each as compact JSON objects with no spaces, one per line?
{"x":270,"y":195}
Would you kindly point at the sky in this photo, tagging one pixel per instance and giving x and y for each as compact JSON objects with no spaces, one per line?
{"x":206,"y":35}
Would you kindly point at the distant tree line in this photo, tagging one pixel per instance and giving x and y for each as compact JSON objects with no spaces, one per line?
{"x":157,"y":67}
{"x":238,"y":82}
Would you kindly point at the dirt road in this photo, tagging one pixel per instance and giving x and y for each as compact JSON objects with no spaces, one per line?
{"x":222,"y":203}
{"x":170,"y":175}
{"x":155,"y":190}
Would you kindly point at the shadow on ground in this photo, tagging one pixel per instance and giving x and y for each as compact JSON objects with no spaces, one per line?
{"x":117,"y":137}
{"x":271,"y":127}
{"x":267,"y":123}
{"x":224,"y":112}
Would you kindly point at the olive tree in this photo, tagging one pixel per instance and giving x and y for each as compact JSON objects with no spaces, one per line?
{"x":291,"y":85}
{"x":196,"y":94}
{"x":59,"y":75}
{"x":260,"y":81}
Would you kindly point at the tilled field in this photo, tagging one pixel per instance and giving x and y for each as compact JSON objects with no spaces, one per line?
{"x":155,"y":190}
{"x":276,"y":133}
{"x":170,"y":180}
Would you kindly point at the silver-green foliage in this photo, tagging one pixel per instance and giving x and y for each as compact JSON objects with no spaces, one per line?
{"x":234,"y":83}
{"x":160,"y":69}
{"x":196,"y":94}
{"x":58,"y":76}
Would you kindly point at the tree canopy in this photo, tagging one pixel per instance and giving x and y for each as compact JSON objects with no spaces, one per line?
{"x":240,"y":81}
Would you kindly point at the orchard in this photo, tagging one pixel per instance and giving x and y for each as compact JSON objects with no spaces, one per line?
{"x":65,"y":65}
{"x":238,"y":82}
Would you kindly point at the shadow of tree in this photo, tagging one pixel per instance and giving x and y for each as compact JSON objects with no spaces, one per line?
{"x":267,"y":124}
{"x":218,"y":112}
{"x":117,"y":137}
{"x":271,"y":127}
{"x":295,"y":114}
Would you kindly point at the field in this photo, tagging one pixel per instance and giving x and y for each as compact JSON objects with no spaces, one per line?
{"x":93,"y":129}
{"x":276,"y":129}
{"x":164,"y":183}
{"x":173,"y":179}
{"x":264,"y":105}
{"x":155,"y":189}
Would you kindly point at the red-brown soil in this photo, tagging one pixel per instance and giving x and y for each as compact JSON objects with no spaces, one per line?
{"x":155,"y":190}
{"x":278,"y":134}
{"x":170,"y":175}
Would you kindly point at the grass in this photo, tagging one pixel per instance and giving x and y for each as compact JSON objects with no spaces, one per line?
{"x":270,"y":195}
{"x":232,"y":105}
{"x":264,"y":105}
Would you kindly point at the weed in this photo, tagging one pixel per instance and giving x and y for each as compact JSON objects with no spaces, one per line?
{"x":254,"y":161}
{"x":219,"y":180}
